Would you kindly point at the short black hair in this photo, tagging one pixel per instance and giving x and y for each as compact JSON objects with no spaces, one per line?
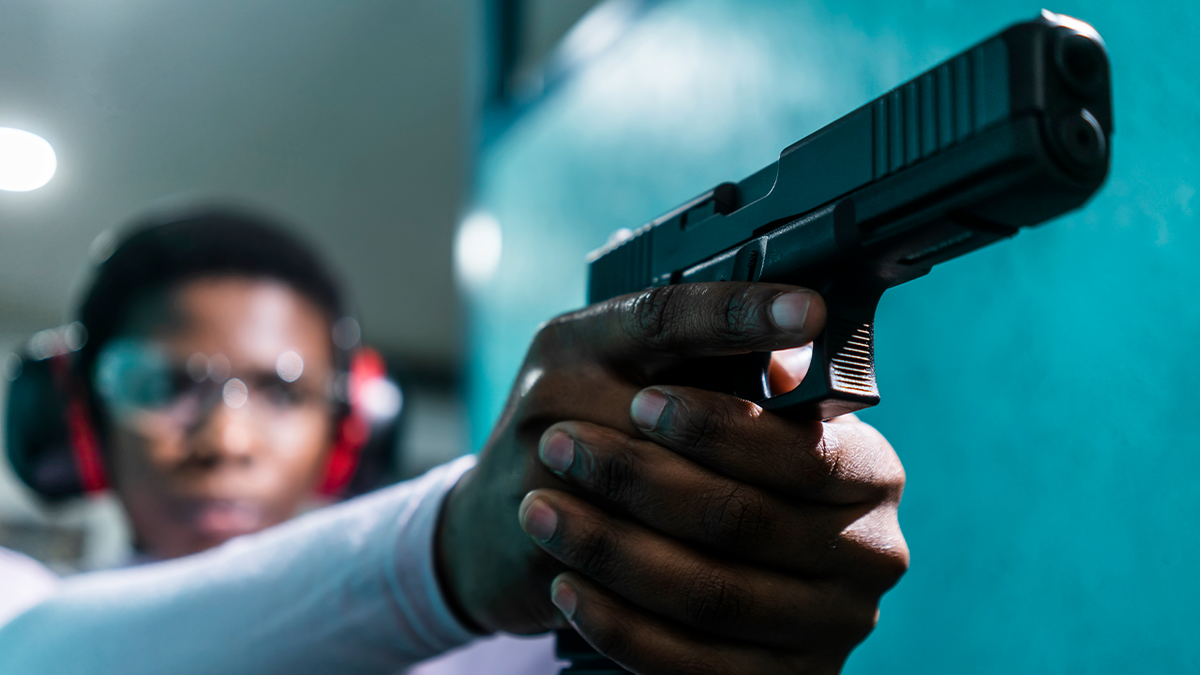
{"x":162,"y":253}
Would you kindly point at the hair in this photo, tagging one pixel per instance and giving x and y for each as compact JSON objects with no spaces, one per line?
{"x":160,"y":254}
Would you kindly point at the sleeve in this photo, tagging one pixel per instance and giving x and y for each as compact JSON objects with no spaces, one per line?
{"x":347,"y":589}
{"x":23,"y":583}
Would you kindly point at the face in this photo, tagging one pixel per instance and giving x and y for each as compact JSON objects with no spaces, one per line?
{"x":219,"y":400}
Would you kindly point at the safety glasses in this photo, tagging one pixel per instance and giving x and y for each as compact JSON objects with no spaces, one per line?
{"x":141,"y":381}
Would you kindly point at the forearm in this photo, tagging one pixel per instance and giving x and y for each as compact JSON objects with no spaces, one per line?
{"x":350,"y":589}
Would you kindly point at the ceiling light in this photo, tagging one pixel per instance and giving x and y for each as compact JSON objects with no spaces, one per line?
{"x":27,"y":162}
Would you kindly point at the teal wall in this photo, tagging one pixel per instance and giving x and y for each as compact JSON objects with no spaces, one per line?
{"x":1041,"y":393}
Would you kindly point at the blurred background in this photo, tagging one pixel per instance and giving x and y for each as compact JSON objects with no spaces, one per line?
{"x":457,"y":159}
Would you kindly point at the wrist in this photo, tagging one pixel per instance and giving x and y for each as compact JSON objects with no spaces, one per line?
{"x":451,"y":555}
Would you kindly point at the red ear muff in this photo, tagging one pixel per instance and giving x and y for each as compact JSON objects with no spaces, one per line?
{"x":352,"y":435}
{"x":354,"y":429}
{"x":49,"y":438}
{"x":85,"y":446}
{"x":81,"y":433}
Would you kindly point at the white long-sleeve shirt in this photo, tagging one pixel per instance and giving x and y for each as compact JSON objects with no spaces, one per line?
{"x":347,"y":589}
{"x":23,"y":583}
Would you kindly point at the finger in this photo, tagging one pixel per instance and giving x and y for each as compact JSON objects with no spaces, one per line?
{"x":685,"y":321}
{"x":675,"y":496}
{"x":671,"y":579}
{"x":583,"y":391}
{"x":841,"y":463}
{"x":788,"y":368}
{"x":645,"y":643}
{"x":642,"y":333}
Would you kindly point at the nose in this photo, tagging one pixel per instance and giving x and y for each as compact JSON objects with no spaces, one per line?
{"x":227,"y":434}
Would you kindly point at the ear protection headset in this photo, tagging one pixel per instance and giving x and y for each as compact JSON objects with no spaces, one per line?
{"x":55,"y":446}
{"x":365,"y":419}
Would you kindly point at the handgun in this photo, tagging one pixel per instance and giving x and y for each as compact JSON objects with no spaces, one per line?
{"x":1008,"y":134}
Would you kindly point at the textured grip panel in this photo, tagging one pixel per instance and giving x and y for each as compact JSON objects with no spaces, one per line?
{"x":852,"y":357}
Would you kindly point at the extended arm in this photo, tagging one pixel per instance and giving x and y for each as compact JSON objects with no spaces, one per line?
{"x":349,"y":589}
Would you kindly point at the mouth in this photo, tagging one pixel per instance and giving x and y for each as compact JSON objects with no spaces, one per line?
{"x":226,"y":518}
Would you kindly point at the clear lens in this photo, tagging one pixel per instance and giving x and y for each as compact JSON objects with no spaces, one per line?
{"x":138,"y":379}
{"x":132,"y":374}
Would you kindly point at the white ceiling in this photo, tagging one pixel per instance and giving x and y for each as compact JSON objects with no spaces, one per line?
{"x":347,"y":118}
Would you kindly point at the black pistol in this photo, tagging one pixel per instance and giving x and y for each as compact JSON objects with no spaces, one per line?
{"x":1008,"y":134}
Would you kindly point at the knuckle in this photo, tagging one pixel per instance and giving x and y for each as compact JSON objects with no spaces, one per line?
{"x":884,"y":558}
{"x":617,"y":478}
{"x":651,"y":319}
{"x":880,"y":465}
{"x":547,"y":333}
{"x":700,"y":431}
{"x":893,"y":561}
{"x":812,"y":459}
{"x":697,"y":436}
{"x":741,"y":311}
{"x":735,"y":517}
{"x":827,"y":458}
{"x":862,"y":622}
{"x":868,"y":460}
{"x":712,"y":598}
{"x":597,"y":555}
{"x":895,"y":477}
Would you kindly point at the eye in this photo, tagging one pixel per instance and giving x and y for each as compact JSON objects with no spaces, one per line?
{"x":148,"y":387}
{"x":131,"y":374}
{"x":282,"y":394}
{"x":175,"y":384}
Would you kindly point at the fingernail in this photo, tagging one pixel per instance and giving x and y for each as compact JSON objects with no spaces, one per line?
{"x":647,"y":408}
{"x":539,"y":521}
{"x":564,"y":597}
{"x":790,"y":310}
{"x":558,"y":452}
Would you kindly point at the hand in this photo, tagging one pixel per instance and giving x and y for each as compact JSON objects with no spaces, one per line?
{"x":587,"y":366}
{"x":745,"y":543}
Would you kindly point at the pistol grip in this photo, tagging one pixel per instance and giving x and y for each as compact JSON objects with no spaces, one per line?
{"x":841,"y":378}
